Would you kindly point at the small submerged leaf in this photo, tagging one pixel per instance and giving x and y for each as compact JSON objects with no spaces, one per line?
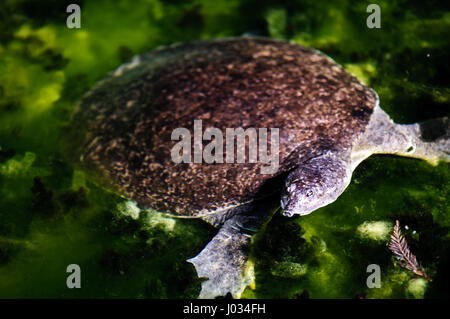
{"x":405,"y":257}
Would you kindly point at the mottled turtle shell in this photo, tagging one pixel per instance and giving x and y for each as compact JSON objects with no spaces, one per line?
{"x":121,"y":130}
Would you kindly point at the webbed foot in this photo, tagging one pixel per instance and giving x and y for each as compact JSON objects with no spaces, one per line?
{"x":224,"y":262}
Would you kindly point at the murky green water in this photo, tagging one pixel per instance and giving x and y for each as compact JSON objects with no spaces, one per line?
{"x":52,"y":216}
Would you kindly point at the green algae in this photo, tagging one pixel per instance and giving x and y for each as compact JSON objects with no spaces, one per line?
{"x":52,"y":215}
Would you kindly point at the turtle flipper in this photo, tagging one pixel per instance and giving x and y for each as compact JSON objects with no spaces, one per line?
{"x":223,"y":261}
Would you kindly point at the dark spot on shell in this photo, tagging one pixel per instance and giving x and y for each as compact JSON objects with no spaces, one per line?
{"x":361,"y":113}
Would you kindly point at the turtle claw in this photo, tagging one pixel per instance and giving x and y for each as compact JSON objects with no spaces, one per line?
{"x":224,"y":262}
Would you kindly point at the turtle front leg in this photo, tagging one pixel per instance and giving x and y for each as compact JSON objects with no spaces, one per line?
{"x":224,"y":261}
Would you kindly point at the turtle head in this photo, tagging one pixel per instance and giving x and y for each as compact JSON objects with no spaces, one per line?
{"x":314,"y":184}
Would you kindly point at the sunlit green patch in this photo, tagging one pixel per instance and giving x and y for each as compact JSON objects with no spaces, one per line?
{"x":417,"y":287}
{"x":363,"y":71}
{"x":377,"y":230}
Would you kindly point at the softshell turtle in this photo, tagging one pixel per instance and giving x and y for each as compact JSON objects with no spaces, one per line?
{"x":327,"y":121}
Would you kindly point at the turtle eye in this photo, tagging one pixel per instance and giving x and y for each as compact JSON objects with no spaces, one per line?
{"x":309,"y":193}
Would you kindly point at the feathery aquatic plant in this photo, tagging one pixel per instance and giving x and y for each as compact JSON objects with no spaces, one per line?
{"x":404,"y":256}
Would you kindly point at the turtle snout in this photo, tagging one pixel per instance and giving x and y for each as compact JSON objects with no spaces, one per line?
{"x":285,"y":203}
{"x":288,"y":213}
{"x":292,"y":207}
